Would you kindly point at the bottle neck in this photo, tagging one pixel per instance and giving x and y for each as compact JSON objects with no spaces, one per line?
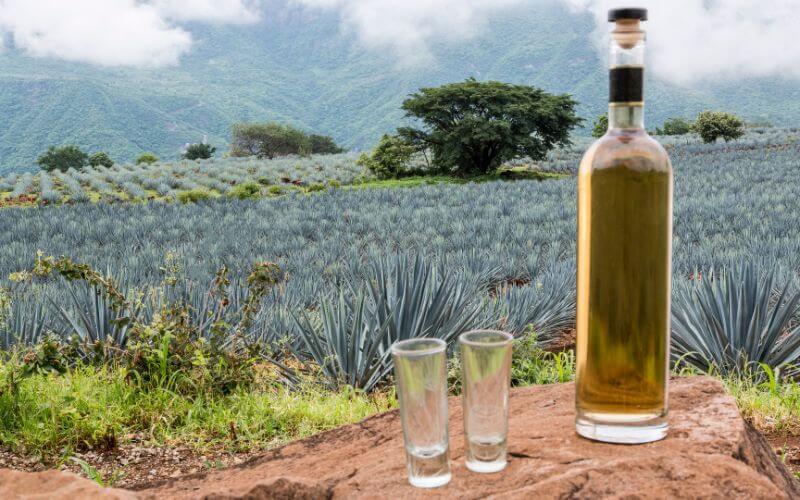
{"x":626,"y":116}
{"x":626,"y":76}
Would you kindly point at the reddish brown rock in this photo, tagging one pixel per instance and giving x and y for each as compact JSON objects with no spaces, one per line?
{"x":710,"y":452}
{"x":54,"y":484}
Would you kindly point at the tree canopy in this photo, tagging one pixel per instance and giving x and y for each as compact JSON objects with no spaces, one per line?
{"x":270,"y":140}
{"x":63,"y":158}
{"x":711,"y":125}
{"x":675,"y":126}
{"x":473,"y":127}
{"x":101,"y":160}
{"x":199,"y":151}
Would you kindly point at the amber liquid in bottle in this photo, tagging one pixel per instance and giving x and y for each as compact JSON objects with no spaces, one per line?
{"x":624,"y":272}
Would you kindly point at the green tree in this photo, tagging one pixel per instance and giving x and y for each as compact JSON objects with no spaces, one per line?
{"x":390,"y":158}
{"x":148,"y":158}
{"x":473,"y":127}
{"x":269,"y":140}
{"x":199,"y":151}
{"x":324,"y":145}
{"x":711,"y":125}
{"x":675,"y":126}
{"x":63,"y":158}
{"x":101,"y":160}
{"x":600,"y":126}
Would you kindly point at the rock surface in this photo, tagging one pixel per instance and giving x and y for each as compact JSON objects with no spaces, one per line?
{"x":54,"y":484}
{"x":710,"y":453}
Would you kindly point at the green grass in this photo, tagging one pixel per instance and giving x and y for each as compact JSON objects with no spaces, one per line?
{"x":420,"y":180}
{"x":770,"y":407}
{"x":90,"y":408}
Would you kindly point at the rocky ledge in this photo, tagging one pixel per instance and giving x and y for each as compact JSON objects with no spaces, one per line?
{"x":711,"y":452}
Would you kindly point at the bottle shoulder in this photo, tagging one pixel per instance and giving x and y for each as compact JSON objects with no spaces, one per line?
{"x":629,"y":149}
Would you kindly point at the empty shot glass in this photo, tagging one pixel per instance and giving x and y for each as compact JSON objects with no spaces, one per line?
{"x":486,"y":377}
{"x":420,"y":367}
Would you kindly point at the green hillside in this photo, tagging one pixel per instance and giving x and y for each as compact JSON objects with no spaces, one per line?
{"x":299,"y":66}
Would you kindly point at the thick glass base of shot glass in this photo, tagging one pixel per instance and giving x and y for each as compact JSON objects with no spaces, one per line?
{"x":622,"y":428}
{"x":486,"y":455}
{"x":428,"y":468}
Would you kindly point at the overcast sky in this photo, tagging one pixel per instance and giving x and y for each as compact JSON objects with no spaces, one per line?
{"x":689,"y":40}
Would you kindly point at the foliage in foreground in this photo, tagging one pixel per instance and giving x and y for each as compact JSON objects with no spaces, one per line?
{"x":90,"y":407}
{"x":473,"y":127}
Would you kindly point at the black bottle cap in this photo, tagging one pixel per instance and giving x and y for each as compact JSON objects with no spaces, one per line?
{"x":627,"y":13}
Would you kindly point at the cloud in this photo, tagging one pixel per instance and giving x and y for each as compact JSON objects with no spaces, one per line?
{"x":210,"y":11}
{"x":408,"y":26}
{"x":689,"y":40}
{"x":114,"y":32}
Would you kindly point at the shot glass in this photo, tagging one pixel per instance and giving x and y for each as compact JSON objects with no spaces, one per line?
{"x":420,"y":367}
{"x":486,"y":377}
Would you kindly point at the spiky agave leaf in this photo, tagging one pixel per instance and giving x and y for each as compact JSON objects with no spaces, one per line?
{"x":91,"y":316}
{"x":546,"y":305}
{"x":347,"y":344}
{"x":731,"y":320}
{"x":418,"y":299}
{"x":27,"y":324}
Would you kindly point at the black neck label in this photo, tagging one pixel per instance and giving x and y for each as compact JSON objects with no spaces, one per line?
{"x":626,"y":84}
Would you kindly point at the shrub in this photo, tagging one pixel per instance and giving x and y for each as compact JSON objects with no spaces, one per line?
{"x":246,"y":191}
{"x":148,"y":158}
{"x":315,"y":187}
{"x":275,"y":190}
{"x":323,"y":145}
{"x":199,"y":151}
{"x":63,"y":158}
{"x":194,"y":195}
{"x":675,"y":126}
{"x":101,"y":160}
{"x":334,"y":184}
{"x":711,"y":125}
{"x":390,"y":158}
{"x":600,"y":126}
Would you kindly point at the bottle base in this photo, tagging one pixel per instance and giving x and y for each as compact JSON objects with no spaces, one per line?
{"x":486,"y":467}
{"x":430,"y":481}
{"x":429,"y":468}
{"x":622,"y":429}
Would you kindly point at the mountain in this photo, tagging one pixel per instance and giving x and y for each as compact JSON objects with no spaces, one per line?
{"x":298,"y":66}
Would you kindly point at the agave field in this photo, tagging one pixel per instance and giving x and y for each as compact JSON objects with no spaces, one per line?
{"x":164,"y":181}
{"x":367,"y":267}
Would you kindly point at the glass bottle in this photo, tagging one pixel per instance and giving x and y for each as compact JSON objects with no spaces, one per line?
{"x":624,"y":260}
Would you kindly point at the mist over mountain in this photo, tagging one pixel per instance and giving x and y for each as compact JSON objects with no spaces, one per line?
{"x":302,"y":66}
